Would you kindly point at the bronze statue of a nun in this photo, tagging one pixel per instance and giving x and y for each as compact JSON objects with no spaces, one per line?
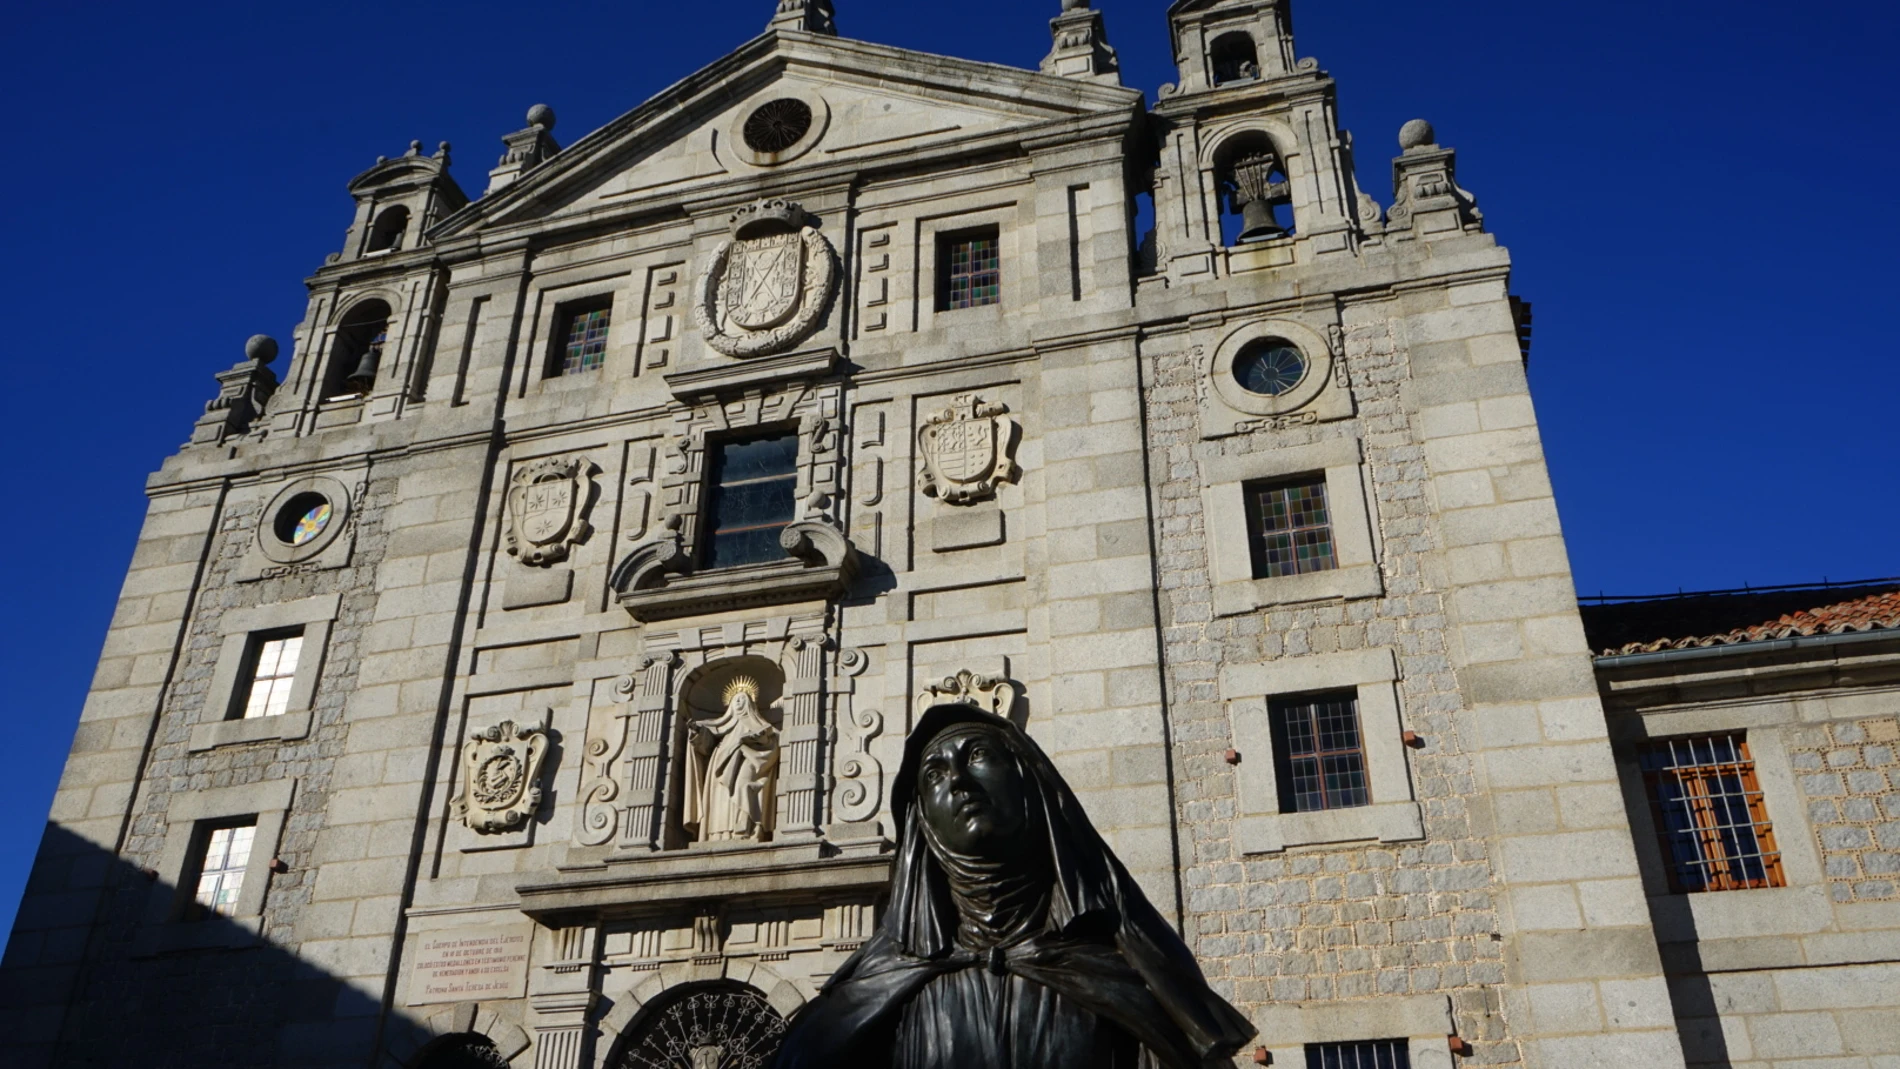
{"x":1013,"y":938}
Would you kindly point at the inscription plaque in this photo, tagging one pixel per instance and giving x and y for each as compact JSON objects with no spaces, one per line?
{"x":469,"y":965}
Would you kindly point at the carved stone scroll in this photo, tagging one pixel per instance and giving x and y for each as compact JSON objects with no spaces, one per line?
{"x":993,"y":694}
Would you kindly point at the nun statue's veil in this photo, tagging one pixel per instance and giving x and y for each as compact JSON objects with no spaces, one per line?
{"x":1049,"y":959}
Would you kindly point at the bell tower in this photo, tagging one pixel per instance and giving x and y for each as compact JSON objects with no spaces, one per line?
{"x":1254,"y":169}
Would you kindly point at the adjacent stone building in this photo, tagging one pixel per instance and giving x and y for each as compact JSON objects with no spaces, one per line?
{"x":515,"y":675}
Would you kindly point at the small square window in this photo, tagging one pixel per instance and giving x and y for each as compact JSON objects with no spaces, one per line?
{"x":1376,"y":1054}
{"x":1319,"y":756}
{"x":272,"y":671}
{"x":582,"y":339}
{"x":970,"y":269}
{"x":1290,"y":528}
{"x":219,"y":872}
{"x":751,"y":496}
{"x":1709,"y":813}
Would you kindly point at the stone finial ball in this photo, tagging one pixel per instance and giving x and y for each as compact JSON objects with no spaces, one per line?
{"x":261,"y":348}
{"x":1417,"y":134}
{"x":541,"y":115}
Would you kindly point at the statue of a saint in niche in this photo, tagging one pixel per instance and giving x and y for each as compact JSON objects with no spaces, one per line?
{"x":1014,"y":938}
{"x":732,"y":770}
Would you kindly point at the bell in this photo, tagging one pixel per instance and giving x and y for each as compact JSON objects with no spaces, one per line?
{"x":1257,"y":222}
{"x":363,"y":379}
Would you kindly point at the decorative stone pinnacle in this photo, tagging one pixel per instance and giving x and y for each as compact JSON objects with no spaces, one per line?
{"x":808,"y":16}
{"x":1417,"y":134}
{"x":1081,"y":46}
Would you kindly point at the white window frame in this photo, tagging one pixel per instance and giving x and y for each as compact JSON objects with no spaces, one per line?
{"x":1423,"y":1021}
{"x":167,"y":927}
{"x":229,"y":685}
{"x":1394,"y":814}
{"x":1224,"y":499}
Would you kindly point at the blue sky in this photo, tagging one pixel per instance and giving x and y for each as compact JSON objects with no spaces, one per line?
{"x":1699,"y":196}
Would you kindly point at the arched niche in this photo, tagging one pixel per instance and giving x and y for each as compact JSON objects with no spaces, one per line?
{"x":1234,"y":57}
{"x":387,"y":233}
{"x":356,"y":355}
{"x":1253,"y":184}
{"x":720,"y":749}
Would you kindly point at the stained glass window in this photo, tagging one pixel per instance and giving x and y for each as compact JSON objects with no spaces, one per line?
{"x":1710,"y":815}
{"x":311,"y":524}
{"x":972,"y":268}
{"x":752,"y":494}
{"x":276,"y":669}
{"x":1269,"y":368}
{"x":1290,"y":528}
{"x":221,"y":868}
{"x":586,"y":345}
{"x":1318,"y":755}
{"x":1377,"y":1054}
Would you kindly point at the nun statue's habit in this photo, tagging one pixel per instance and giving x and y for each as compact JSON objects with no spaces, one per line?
{"x":1013,"y":938}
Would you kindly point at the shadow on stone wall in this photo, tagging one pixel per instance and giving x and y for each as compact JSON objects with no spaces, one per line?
{"x":86,"y":981}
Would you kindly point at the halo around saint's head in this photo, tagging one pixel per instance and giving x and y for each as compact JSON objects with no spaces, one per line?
{"x":740,"y":685}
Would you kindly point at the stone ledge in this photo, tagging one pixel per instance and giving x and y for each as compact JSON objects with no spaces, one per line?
{"x":283,"y":728}
{"x":722,"y":874}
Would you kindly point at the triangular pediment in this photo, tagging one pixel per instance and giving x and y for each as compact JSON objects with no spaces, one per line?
{"x":866,"y":102}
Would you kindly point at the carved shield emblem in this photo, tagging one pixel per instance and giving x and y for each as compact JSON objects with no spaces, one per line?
{"x":547,"y":506}
{"x":969,"y":450}
{"x":501,"y":766}
{"x":764,"y":279}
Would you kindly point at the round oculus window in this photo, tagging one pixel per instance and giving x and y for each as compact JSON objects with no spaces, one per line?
{"x":1269,"y":368}
{"x":778,"y":125}
{"x":303,"y":519}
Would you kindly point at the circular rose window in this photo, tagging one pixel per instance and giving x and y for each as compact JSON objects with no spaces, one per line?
{"x":778,"y":125}
{"x":1269,"y":367}
{"x":303,"y":519}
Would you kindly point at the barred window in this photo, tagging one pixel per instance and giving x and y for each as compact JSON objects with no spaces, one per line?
{"x":273,"y":664}
{"x":751,"y":497}
{"x":1290,"y":528}
{"x":584,"y":335}
{"x":220,"y":874}
{"x":970,"y":263}
{"x":1375,"y":1054}
{"x":1709,"y":813}
{"x":1318,"y":755}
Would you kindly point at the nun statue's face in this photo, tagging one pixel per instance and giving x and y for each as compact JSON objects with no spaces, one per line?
{"x":970,"y":792}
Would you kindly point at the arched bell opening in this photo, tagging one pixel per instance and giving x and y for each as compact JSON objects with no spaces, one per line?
{"x":1234,"y":58}
{"x":386,"y":235}
{"x":1256,"y":199}
{"x":710,"y":1025}
{"x":358,"y":353}
{"x":726,"y":747}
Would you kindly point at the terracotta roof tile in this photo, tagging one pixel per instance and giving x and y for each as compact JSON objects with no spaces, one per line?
{"x":1873,"y":613}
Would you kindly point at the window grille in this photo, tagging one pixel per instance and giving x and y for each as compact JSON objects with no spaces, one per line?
{"x":221,"y":868}
{"x":586,"y":348}
{"x":1709,"y":813}
{"x":1318,"y":755}
{"x":1376,"y":1054}
{"x":972,"y":268}
{"x":1290,"y":528}
{"x":751,"y":498}
{"x":275,"y":668}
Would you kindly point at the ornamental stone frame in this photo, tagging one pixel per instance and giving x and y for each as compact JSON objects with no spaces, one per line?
{"x":269,"y":802}
{"x":1394,"y":814}
{"x":735,"y":140}
{"x":215,"y":726}
{"x":1223,"y":481}
{"x":331,"y":548}
{"x":1322,"y":395}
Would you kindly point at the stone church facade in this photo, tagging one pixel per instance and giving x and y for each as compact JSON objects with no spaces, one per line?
{"x":515,"y":674}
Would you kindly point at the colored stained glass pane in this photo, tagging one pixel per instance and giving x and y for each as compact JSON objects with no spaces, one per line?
{"x":1290,"y":528}
{"x":1319,"y":754}
{"x":973,"y":272}
{"x":586,"y":341}
{"x":311,"y":524}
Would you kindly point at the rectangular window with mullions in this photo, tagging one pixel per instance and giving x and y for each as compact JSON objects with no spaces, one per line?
{"x":1709,"y":813}
{"x":1319,"y":756}
{"x":582,"y":340}
{"x":751,"y":497}
{"x":223,"y":855}
{"x":970,"y":267}
{"x":1377,"y":1054}
{"x":270,"y":673}
{"x":1289,"y":527}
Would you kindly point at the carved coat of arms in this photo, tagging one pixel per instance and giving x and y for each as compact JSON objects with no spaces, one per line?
{"x":766,"y":288}
{"x":969,"y":450}
{"x":547,"y":509}
{"x":500,"y":770}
